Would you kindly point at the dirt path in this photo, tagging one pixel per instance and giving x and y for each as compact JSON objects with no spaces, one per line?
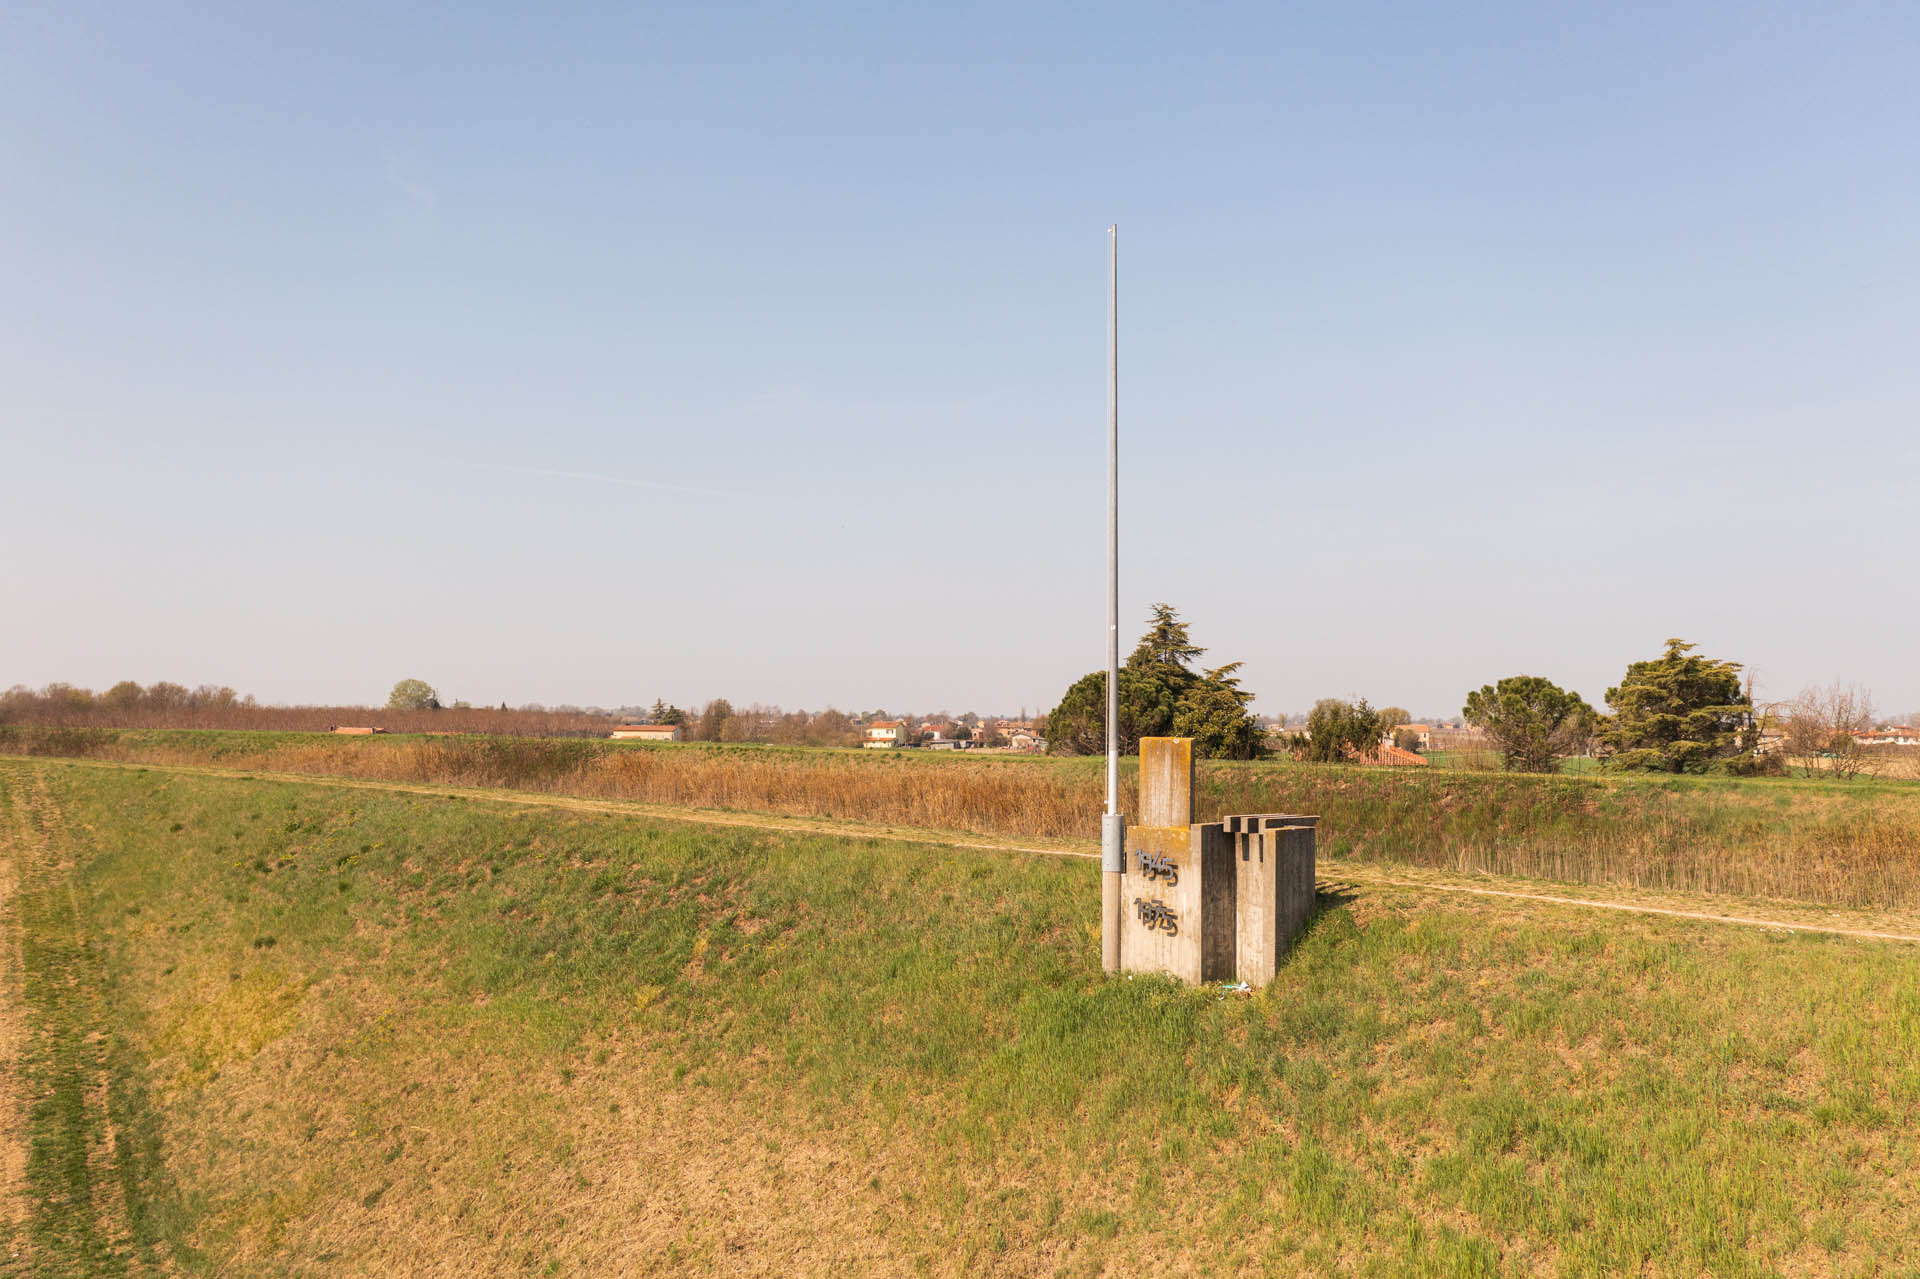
{"x":16,"y":830}
{"x":1339,"y":874}
{"x":1869,"y":926}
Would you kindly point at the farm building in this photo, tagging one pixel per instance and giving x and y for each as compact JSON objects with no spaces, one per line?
{"x":647,"y":732}
{"x":1422,"y":733}
{"x":884,"y":733}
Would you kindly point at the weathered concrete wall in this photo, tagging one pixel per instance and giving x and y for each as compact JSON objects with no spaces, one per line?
{"x":1166,"y":781}
{"x":1219,"y":888}
{"x":1177,"y":902}
{"x":1274,"y":864}
{"x":1160,"y":907}
{"x":1209,"y":901}
{"x":1164,"y":906}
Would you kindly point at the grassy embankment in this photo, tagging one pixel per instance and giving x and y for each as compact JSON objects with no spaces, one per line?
{"x":1491,"y":762}
{"x":271,"y":1028}
{"x":1852,"y":844}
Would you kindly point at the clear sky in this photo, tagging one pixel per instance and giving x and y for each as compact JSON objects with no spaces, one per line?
{"x":593,"y":354}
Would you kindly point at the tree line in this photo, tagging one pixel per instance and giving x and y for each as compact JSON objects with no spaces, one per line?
{"x":721,"y":721}
{"x":1680,"y":712}
{"x":165,"y":704}
{"x":416,"y":706}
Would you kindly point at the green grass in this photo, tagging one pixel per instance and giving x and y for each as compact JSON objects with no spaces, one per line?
{"x":1818,"y":841}
{"x":280,"y":1029}
{"x":1491,"y":761}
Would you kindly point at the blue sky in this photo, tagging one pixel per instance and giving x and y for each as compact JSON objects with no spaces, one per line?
{"x":598,"y":354}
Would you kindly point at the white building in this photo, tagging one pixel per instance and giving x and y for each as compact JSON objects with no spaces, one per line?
{"x":647,"y":732}
{"x":884,"y":733}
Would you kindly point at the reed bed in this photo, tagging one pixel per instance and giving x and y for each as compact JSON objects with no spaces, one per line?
{"x":1852,"y":844}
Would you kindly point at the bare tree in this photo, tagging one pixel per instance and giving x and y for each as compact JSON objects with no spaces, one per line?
{"x":1821,"y":728}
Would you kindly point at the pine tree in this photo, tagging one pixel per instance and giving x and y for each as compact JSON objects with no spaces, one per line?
{"x":1679,"y":713}
{"x":1533,"y":721}
{"x":1160,"y":695}
{"x":1337,"y":731}
{"x":1166,"y":649}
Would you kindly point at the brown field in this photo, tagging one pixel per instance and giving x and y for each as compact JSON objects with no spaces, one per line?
{"x":39,"y":713}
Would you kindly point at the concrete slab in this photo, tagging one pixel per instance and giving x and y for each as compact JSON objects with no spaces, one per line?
{"x":1177,"y":902}
{"x":1274,"y":868}
{"x":1166,"y":781}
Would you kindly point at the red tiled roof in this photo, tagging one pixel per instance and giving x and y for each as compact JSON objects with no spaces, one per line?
{"x":1393,"y":757}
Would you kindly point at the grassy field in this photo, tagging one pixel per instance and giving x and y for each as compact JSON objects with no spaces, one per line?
{"x":1849,"y":844}
{"x":269,"y":1028}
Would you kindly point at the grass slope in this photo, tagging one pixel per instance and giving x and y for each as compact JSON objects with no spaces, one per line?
{"x":1850,"y":844}
{"x":276,"y":1030}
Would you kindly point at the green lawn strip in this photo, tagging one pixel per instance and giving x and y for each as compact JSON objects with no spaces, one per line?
{"x":324,"y":987}
{"x":99,"y":1196}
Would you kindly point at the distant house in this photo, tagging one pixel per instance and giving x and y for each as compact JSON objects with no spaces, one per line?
{"x":1022,"y":740}
{"x":647,"y":732}
{"x":944,"y":744}
{"x":1896,"y":735}
{"x":885,"y":733}
{"x":1421,"y":732}
{"x":1458,"y":739}
{"x":357,"y":731}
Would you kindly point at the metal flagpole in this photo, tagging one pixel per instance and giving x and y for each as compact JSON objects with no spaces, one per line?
{"x":1113,"y":857}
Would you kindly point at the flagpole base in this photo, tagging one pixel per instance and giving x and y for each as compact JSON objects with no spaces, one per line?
{"x":1113,"y":864}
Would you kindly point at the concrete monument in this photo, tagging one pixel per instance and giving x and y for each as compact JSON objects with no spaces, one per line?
{"x":1209,"y":901}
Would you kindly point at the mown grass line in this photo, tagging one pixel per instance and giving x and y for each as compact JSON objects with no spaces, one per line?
{"x":1785,"y":924}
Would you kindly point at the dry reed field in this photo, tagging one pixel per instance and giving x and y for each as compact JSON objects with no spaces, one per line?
{"x":1852,"y":844}
{"x":1894,"y":763}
